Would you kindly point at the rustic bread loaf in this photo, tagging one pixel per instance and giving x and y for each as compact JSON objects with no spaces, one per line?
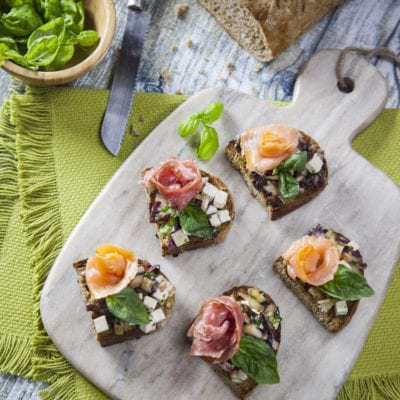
{"x":264,"y":28}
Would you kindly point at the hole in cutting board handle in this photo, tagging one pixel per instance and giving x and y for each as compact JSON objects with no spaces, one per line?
{"x":346,"y":86}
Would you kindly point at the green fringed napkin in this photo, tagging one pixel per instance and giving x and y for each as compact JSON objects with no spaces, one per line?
{"x":53,"y":165}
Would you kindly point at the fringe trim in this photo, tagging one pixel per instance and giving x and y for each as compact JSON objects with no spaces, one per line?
{"x":385,"y":387}
{"x":8,"y":170}
{"x":42,"y":221}
{"x":16,"y":355}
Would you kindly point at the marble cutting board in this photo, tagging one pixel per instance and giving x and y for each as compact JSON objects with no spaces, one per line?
{"x":360,"y":201}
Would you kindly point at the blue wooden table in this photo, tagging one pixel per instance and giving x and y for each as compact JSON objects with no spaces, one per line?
{"x":186,"y":54}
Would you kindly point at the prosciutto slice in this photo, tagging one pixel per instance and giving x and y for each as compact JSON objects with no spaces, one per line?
{"x":217,"y":329}
{"x":177,"y":180}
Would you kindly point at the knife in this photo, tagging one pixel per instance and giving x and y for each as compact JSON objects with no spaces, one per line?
{"x":122,"y":89}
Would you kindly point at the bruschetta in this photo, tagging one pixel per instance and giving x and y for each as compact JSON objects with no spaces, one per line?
{"x":238,"y":334}
{"x":283,"y":167}
{"x":126,"y":297}
{"x":189,"y":207}
{"x":326,"y":271}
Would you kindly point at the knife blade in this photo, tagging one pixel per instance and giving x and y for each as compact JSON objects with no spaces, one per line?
{"x":123,"y":86}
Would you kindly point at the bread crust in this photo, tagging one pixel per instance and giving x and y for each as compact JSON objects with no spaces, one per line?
{"x":264,"y":28}
{"x":329,"y":320}
{"x":97,"y":308}
{"x":197,"y":242}
{"x":275,"y":209}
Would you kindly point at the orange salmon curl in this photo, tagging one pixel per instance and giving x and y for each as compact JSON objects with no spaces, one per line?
{"x":110,"y":270}
{"x":312,"y":259}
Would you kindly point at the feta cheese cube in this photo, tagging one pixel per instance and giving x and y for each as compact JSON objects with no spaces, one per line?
{"x":205,"y":203}
{"x":353,"y":245}
{"x":150,"y":303}
{"x":220,"y":199}
{"x":101,"y":324}
{"x":204,"y":180}
{"x":341,"y":308}
{"x":215,"y":221}
{"x":157,"y":316}
{"x":160,"y":295}
{"x":211,"y":210}
{"x":209,"y":190}
{"x":179,"y":237}
{"x":315,"y":164}
{"x":150,"y":327}
{"x":224,"y":216}
{"x":160,"y":199}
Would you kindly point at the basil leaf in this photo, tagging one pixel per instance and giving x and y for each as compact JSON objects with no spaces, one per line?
{"x":257,"y":360}
{"x":274,"y":319}
{"x":348,"y":285}
{"x":21,"y":20}
{"x":126,"y":306}
{"x":208,"y":143}
{"x":189,"y":125}
{"x":212,"y":112}
{"x":288,"y":185}
{"x":52,"y":9}
{"x":194,"y":221}
{"x":167,"y":228}
{"x":87,"y":38}
{"x":297,"y":162}
{"x":73,"y":14}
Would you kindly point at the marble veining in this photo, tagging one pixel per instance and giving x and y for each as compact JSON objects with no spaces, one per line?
{"x":357,"y":202}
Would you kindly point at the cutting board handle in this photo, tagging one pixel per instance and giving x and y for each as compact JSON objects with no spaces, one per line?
{"x":316,"y":92}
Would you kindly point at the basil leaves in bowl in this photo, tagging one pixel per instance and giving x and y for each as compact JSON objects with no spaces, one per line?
{"x":52,"y":42}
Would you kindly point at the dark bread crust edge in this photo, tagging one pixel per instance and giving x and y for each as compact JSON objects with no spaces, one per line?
{"x":108,"y":338}
{"x":235,"y":158}
{"x":197,"y":242}
{"x":332,"y":324}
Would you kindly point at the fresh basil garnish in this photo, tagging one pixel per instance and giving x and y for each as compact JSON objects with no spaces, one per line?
{"x":126,"y":306}
{"x":206,"y":143}
{"x":257,"y":360}
{"x":194,"y":221}
{"x":347,"y":284}
{"x":209,"y":143}
{"x":288,"y":184}
{"x":168,"y":227}
{"x":274,"y":319}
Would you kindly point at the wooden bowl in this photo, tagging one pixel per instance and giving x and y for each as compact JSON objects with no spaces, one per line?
{"x":100,"y":15}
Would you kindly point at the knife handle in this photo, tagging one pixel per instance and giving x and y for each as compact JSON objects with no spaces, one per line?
{"x":139,"y":5}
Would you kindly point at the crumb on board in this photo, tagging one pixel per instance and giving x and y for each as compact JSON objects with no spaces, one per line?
{"x":189,"y":43}
{"x":258,"y":68}
{"x":229,"y":66}
{"x":141,"y":119}
{"x":202,"y":71}
{"x":181,"y":10}
{"x":178,"y":92}
{"x":173,"y":48}
{"x":134,"y":131}
{"x":166,"y":75}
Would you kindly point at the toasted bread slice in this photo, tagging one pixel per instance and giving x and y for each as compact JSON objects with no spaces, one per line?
{"x":263,"y":321}
{"x":179,"y":241}
{"x":320,"y":304}
{"x":266,"y":187}
{"x":147,"y":283}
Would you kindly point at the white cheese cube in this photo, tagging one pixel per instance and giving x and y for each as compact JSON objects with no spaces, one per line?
{"x":157,"y":316}
{"x":204,"y":180}
{"x":209,"y":190}
{"x":224,"y":216}
{"x":160,"y":295}
{"x":215,"y":221}
{"x":179,"y":237}
{"x":211,"y":210}
{"x":205,"y":203}
{"x":150,"y":303}
{"x":101,"y":324}
{"x":147,"y":284}
{"x":160,"y":198}
{"x":140,"y":295}
{"x":341,"y":308}
{"x":220,"y":199}
{"x":150,"y":327}
{"x":315,"y":164}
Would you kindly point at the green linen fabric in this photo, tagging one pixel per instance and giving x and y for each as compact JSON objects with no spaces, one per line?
{"x":53,"y":165}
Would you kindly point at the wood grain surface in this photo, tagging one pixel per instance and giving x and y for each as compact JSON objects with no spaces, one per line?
{"x":214,"y":59}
